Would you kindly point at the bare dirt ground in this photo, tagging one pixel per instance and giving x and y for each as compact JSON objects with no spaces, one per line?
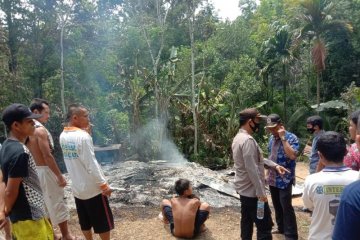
{"x":223,"y":224}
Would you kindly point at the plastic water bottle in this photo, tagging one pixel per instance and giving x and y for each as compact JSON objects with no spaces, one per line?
{"x":260,"y":209}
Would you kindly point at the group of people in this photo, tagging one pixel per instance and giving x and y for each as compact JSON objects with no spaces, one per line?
{"x":335,"y":208}
{"x":250,"y":176}
{"x":32,"y":185}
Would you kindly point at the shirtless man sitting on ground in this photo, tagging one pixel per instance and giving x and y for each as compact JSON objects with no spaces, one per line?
{"x":185,"y":213}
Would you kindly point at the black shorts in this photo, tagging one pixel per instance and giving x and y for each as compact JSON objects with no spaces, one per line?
{"x":201,"y":216}
{"x":95,"y":212}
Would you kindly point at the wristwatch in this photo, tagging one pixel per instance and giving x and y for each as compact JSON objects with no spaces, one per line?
{"x":283,"y":138}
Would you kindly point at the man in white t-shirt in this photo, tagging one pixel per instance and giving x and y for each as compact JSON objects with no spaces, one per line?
{"x":89,"y":186}
{"x":323,"y":189}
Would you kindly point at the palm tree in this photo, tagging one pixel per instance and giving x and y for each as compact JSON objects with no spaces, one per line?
{"x":278,"y":50}
{"x":317,"y":22}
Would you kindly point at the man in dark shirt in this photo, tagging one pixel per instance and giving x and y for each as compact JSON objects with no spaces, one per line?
{"x":23,"y":197}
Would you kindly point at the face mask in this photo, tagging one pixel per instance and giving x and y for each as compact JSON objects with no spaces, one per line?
{"x":310,"y":130}
{"x":256,"y":126}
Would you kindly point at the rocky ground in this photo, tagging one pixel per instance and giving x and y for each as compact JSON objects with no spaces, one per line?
{"x":139,"y":187}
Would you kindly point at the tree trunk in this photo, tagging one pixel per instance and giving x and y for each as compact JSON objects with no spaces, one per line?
{"x":12,"y":41}
{"x":271,"y":92}
{"x":309,"y":72}
{"x":39,"y":87}
{"x":62,"y":90}
{"x":268,"y":91}
{"x":284,"y":92}
{"x":156,"y":90}
{"x":156,"y":58}
{"x":193,"y":97}
{"x":135,"y":95}
{"x":318,"y":89}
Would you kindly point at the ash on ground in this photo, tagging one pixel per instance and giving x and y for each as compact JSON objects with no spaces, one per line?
{"x":146,"y":184}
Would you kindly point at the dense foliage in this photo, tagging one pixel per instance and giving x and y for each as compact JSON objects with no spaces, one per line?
{"x":154,"y":71}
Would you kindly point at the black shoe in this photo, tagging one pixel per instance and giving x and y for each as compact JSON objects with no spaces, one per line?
{"x":277,"y":232}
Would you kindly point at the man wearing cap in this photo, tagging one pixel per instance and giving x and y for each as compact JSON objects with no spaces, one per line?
{"x":283,"y":149}
{"x":24,"y":200}
{"x":249,"y":176}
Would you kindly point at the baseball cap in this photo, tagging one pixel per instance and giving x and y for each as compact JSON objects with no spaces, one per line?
{"x":17,"y":112}
{"x":250,"y":113}
{"x":272,"y":120}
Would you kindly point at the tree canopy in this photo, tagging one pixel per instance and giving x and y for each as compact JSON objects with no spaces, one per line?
{"x":175,"y":63}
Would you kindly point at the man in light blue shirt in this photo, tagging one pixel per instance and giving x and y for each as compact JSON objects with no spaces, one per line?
{"x":314,"y":125}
